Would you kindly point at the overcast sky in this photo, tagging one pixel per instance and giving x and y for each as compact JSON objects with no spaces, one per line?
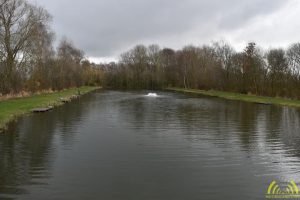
{"x":105,"y":28}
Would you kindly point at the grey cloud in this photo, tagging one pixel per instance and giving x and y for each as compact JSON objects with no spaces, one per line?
{"x":241,"y":13}
{"x":106,"y":27}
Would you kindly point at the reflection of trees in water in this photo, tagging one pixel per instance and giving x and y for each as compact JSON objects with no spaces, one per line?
{"x":272,"y":119}
{"x":222,"y":119}
{"x":217,"y":118}
{"x":143,"y":113}
{"x":138,"y":110}
{"x":247,"y":120}
{"x":289,"y":129}
{"x":244,"y":116}
{"x":27,"y":148}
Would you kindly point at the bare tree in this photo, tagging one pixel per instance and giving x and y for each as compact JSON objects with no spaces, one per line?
{"x":18,"y":20}
{"x":277,"y":69}
{"x":40,"y":57}
{"x":69,"y":65}
{"x":169,"y":67}
{"x":155,"y":69}
{"x":293,"y":54}
{"x":225,"y":53}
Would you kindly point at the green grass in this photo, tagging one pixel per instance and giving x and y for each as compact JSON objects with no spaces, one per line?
{"x":241,"y":97}
{"x":12,"y":108}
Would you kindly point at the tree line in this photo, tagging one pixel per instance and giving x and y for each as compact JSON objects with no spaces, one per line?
{"x":218,"y":66}
{"x":28,"y":60}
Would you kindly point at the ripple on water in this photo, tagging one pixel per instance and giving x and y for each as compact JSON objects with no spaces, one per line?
{"x":121,"y":145}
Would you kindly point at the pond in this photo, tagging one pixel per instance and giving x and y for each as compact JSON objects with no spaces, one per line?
{"x":117,"y":145}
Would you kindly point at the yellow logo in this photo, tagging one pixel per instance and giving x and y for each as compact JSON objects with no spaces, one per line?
{"x":291,"y":191}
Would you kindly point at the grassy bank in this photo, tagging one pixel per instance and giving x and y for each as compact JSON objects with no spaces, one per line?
{"x":241,"y":97}
{"x":12,"y":108}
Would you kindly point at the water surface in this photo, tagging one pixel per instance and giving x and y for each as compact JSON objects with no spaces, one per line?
{"x":125,"y":145}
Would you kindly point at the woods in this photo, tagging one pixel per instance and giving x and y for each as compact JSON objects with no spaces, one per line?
{"x":273,"y":72}
{"x":28,"y":60}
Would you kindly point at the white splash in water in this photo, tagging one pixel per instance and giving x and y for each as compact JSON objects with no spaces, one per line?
{"x":152,"y":95}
